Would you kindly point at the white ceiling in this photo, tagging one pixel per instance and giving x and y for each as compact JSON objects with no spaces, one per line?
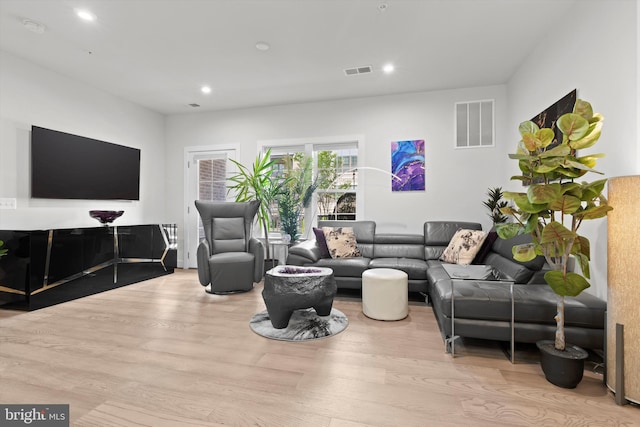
{"x":157,"y":53}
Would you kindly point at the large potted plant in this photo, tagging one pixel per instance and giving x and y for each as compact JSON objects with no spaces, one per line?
{"x":296,"y":194}
{"x":552,"y":210}
{"x":259,"y":183}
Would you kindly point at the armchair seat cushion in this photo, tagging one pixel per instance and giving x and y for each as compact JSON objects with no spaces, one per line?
{"x":232,"y":258}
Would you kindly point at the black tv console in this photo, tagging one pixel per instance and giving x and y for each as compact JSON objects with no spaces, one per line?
{"x":47,"y":267}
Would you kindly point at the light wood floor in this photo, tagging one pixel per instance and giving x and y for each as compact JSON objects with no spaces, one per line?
{"x":165,"y":353}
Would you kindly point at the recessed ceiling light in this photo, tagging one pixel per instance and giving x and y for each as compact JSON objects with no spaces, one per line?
{"x":85,"y":15}
{"x":388,"y":68}
{"x":205,"y":89}
{"x":263,"y":46}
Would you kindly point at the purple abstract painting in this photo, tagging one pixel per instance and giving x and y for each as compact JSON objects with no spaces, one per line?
{"x":407,"y":165}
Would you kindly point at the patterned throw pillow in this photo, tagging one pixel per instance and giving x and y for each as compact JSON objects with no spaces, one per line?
{"x":341,"y":242}
{"x":463,"y":247}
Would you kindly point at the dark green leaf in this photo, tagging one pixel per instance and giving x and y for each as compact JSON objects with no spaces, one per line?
{"x":565,"y":204}
{"x":509,"y":230}
{"x":570,"y":285}
{"x":557,"y":151}
{"x":523,"y":203}
{"x":594,"y":212}
{"x":555,"y":233}
{"x":544,"y":193}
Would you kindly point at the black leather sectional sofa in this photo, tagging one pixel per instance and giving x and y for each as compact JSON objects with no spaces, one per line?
{"x":479,"y":313}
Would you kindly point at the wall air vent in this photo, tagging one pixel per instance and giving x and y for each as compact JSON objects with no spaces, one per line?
{"x":358,"y":70}
{"x":474,"y":124}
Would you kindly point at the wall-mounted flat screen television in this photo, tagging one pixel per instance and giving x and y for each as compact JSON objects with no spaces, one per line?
{"x":66,"y":166}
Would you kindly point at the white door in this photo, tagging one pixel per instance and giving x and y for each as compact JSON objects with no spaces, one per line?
{"x":207,"y":171}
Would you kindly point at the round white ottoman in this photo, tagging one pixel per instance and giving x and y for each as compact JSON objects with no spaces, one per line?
{"x":385,"y":294}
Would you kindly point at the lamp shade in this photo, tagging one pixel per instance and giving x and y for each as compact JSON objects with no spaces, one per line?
{"x":623,"y":288}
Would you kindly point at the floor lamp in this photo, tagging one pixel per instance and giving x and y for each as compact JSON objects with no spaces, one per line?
{"x":623,"y":289}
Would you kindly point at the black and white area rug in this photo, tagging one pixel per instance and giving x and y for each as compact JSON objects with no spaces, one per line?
{"x":304,"y":325}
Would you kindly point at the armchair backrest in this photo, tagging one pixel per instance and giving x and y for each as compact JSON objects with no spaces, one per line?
{"x":227,"y":225}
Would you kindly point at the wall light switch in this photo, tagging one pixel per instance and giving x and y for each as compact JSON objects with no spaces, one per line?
{"x":8,"y":203}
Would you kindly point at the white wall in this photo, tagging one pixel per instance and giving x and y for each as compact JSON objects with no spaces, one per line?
{"x":456,"y":180}
{"x":595,"y":50}
{"x":32,"y":95}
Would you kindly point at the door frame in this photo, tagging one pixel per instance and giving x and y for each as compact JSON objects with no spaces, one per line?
{"x":188,"y":204}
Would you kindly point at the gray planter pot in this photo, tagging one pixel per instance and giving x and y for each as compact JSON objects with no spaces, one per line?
{"x":562,"y":368}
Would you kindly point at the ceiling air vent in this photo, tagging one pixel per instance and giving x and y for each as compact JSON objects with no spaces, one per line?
{"x":358,"y":70}
{"x":194,"y":105}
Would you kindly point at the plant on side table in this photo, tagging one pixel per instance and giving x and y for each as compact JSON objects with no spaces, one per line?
{"x":259,"y":183}
{"x":552,"y":210}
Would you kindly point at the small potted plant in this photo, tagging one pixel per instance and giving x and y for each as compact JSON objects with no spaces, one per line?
{"x":552,"y":210}
{"x":494,"y":203}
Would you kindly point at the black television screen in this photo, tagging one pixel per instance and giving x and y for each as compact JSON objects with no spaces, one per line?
{"x":65,"y":166}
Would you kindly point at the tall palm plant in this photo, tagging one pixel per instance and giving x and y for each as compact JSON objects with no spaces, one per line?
{"x":258,"y":183}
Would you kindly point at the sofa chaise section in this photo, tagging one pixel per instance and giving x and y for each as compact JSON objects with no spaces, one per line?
{"x":485,"y":312}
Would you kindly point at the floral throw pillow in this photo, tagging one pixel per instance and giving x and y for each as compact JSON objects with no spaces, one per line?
{"x":341,"y":242}
{"x":463,"y":247}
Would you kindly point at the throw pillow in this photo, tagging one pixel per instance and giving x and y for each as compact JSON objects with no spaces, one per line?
{"x":464,"y":246}
{"x":485,"y":248}
{"x":341,"y":242}
{"x":322,"y":243}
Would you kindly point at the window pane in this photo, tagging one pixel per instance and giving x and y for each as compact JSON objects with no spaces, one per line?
{"x":486,"y":117}
{"x":211,"y":179}
{"x":211,"y":183}
{"x":474,"y":124}
{"x":461,"y":125}
{"x":336,"y":196}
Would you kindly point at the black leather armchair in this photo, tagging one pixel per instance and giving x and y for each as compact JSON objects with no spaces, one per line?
{"x":229,"y":258}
